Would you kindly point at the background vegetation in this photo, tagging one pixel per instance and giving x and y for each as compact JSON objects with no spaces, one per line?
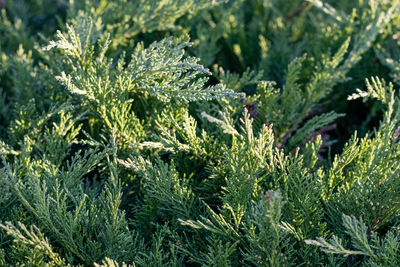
{"x":199,"y":132}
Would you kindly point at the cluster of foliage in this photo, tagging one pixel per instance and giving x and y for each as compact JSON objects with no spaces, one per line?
{"x":199,"y":132}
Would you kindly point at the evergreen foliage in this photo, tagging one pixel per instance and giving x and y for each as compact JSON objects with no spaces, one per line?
{"x":199,"y":133}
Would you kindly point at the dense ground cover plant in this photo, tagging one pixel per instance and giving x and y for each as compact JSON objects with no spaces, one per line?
{"x":199,"y":132}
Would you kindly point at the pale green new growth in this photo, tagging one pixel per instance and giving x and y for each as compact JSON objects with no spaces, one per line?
{"x":119,"y":147}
